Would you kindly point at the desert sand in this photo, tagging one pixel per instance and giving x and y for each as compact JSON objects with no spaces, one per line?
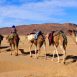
{"x":25,"y":66}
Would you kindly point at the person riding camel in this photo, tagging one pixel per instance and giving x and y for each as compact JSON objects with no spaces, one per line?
{"x":14,"y":32}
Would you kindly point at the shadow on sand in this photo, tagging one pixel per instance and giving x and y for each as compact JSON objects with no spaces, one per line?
{"x":72,"y":58}
{"x":68,"y":60}
{"x":27,"y":52}
{"x":6,"y":48}
{"x":51,"y":55}
{"x":3,"y":47}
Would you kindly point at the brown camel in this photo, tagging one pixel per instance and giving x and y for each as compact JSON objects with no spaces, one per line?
{"x":38,"y":43}
{"x":14,"y":42}
{"x":1,"y":38}
{"x":58,"y":38}
{"x":73,"y":34}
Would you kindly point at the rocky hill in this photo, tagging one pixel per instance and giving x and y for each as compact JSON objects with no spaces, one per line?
{"x":24,"y":29}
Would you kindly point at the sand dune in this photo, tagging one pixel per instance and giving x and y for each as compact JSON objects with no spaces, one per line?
{"x":24,"y":66}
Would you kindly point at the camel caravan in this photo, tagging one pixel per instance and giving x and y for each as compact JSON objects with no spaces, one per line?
{"x":56,"y":38}
{"x":38,"y":39}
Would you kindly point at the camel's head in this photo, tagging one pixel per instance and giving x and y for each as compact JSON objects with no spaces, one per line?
{"x":70,"y":32}
{"x":1,"y":37}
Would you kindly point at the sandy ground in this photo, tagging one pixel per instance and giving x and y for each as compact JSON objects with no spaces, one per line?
{"x":25,"y":66}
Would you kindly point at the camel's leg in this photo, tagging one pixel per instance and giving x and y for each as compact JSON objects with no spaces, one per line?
{"x":53,"y":55}
{"x":0,"y":43}
{"x":0,"y":46}
{"x":38,"y":52}
{"x":11,"y":48}
{"x":57,"y":52}
{"x":30,"y":49}
{"x":16,"y":54}
{"x":45,"y":50}
{"x":0,"y":50}
{"x":76,"y":38}
{"x":16,"y":44}
{"x":64,"y":52}
{"x":39,"y":49}
{"x":35,"y":51}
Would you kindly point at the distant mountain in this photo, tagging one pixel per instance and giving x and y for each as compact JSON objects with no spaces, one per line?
{"x":25,"y":29}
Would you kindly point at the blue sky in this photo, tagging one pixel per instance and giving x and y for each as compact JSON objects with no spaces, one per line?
{"x":20,"y":12}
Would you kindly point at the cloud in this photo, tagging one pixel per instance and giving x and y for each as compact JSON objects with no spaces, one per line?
{"x":37,"y":11}
{"x":32,"y":10}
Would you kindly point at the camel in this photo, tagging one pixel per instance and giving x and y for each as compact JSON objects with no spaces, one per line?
{"x":58,"y":39}
{"x":73,"y":34}
{"x":37,"y":43}
{"x":1,"y":38}
{"x":13,"y":42}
